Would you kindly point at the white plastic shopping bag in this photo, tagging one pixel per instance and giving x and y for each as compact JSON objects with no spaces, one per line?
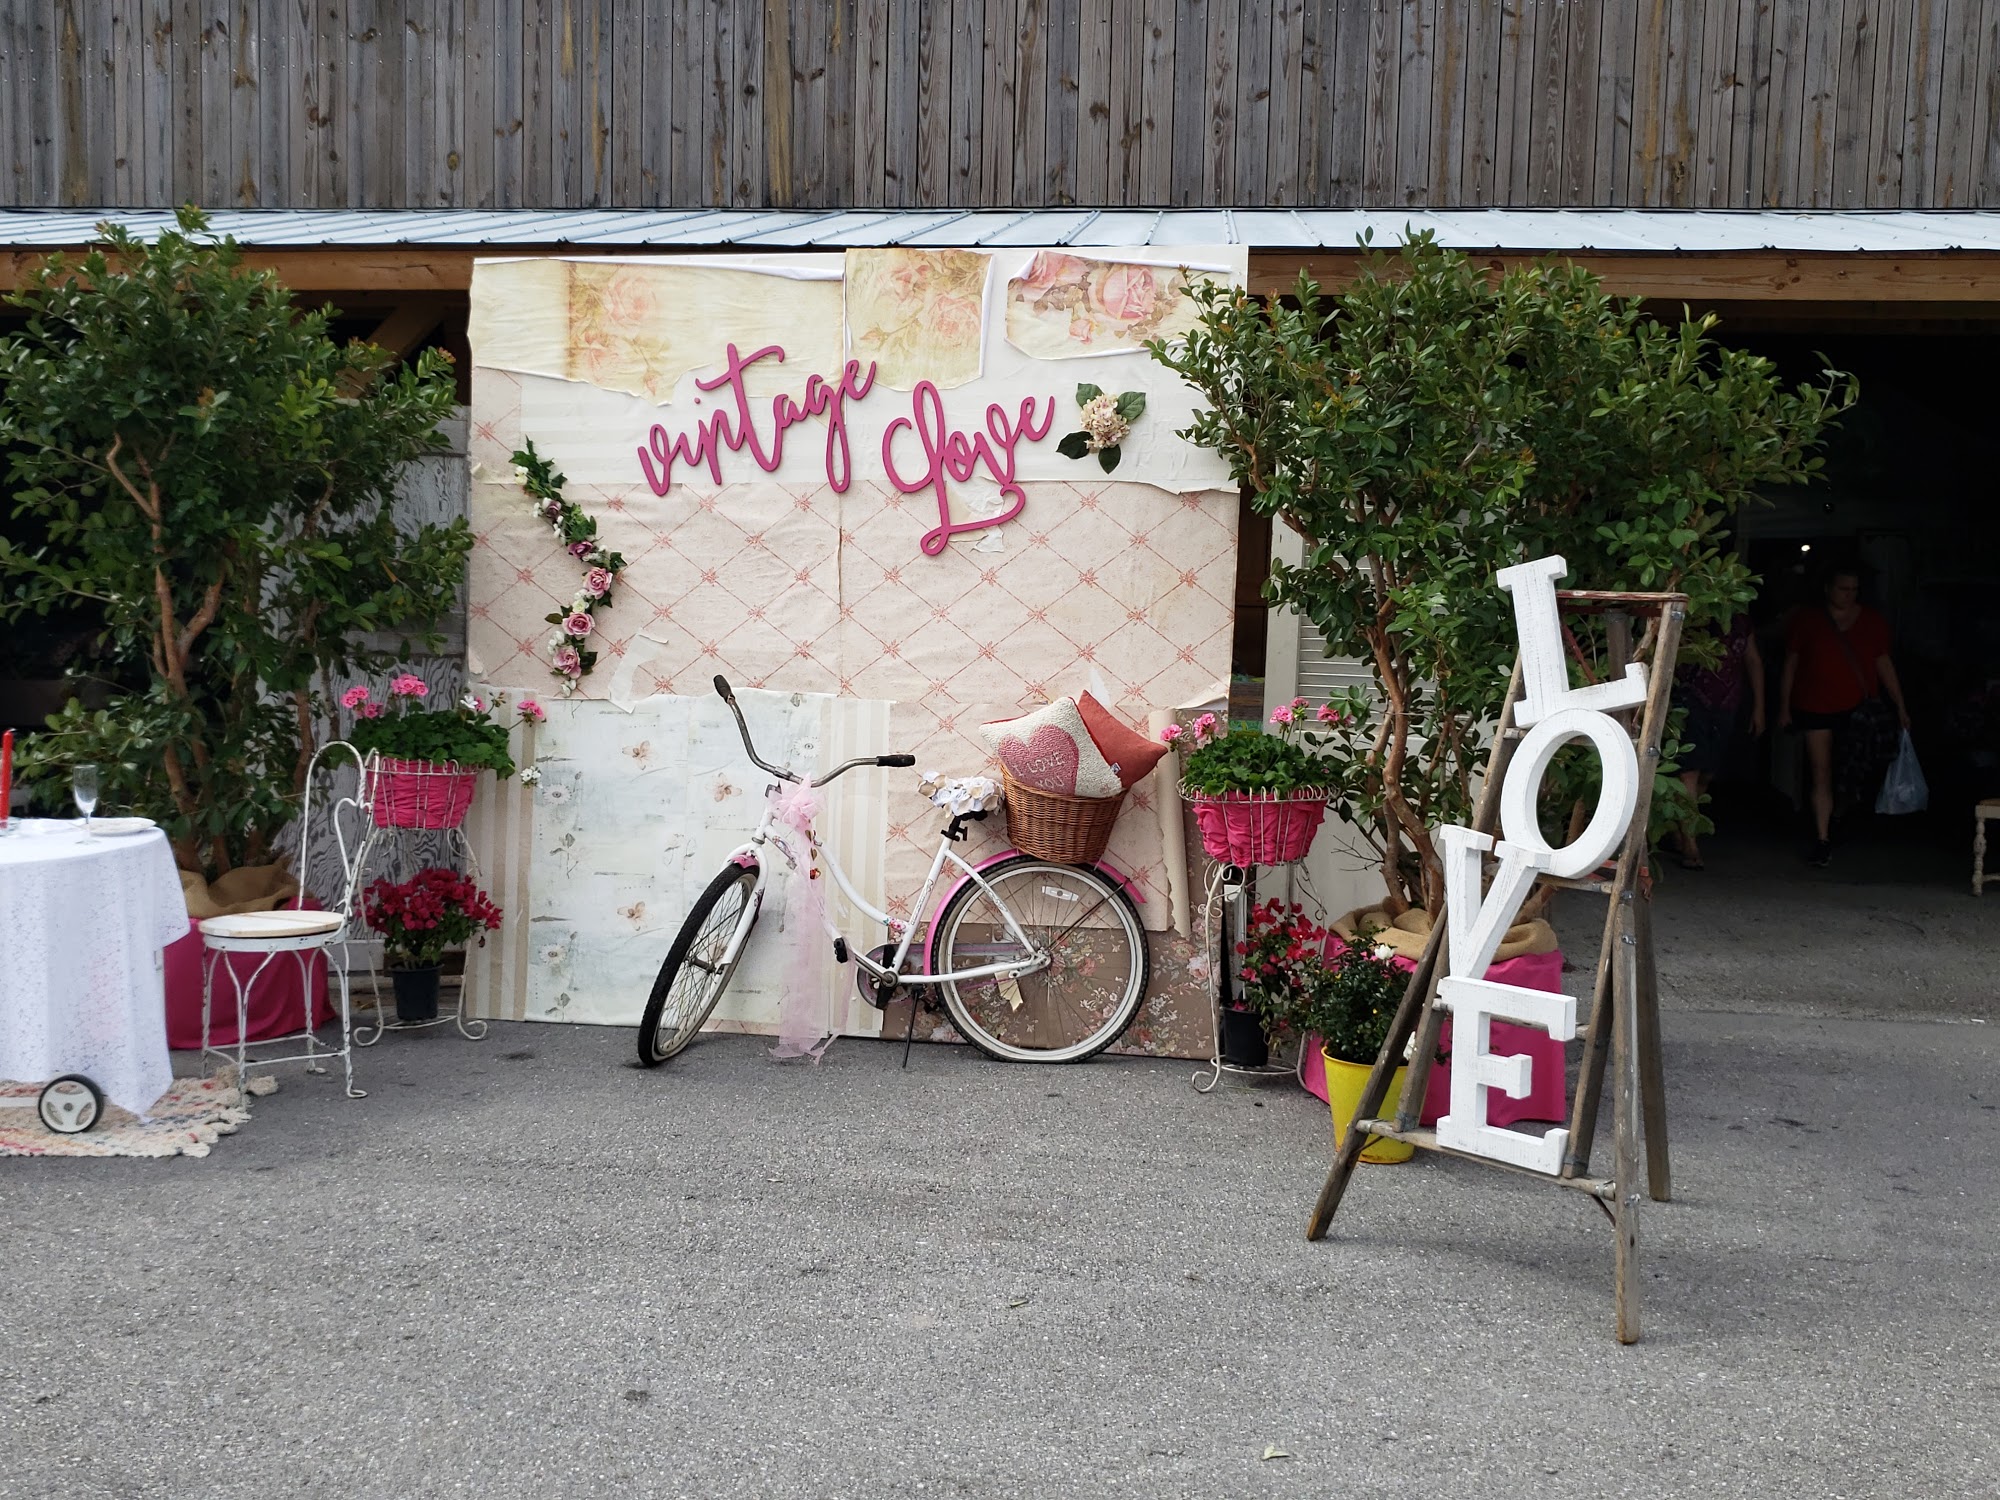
{"x":1903,"y":789}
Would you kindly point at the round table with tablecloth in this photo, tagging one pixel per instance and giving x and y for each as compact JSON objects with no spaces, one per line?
{"x":82,"y":921}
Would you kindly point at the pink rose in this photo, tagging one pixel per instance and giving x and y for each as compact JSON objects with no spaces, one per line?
{"x":530,"y":709}
{"x":597,"y":582}
{"x":578,"y":623}
{"x":582,"y":549}
{"x":567,"y":660}
{"x":1128,"y":293}
{"x":354,"y":697}
{"x":1080,"y":330}
{"x":628,"y":299}
{"x":955,"y":320}
{"x":409,"y":686}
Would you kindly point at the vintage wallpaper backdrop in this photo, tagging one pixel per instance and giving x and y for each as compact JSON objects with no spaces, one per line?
{"x":835,"y":480}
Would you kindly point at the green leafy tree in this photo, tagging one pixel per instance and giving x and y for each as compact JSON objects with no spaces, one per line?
{"x":1430,"y":425}
{"x":213,"y":474}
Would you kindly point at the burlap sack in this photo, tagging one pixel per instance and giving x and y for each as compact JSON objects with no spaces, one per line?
{"x":252,"y":888}
{"x":1408,"y":933}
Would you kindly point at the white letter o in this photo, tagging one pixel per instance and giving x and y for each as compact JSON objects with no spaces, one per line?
{"x":1615,"y":802}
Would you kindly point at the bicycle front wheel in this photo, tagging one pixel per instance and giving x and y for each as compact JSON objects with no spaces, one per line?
{"x":1095,"y":979}
{"x":694,"y":975}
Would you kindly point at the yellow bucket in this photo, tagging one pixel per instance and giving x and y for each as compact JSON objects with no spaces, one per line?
{"x":1344,"y":1082}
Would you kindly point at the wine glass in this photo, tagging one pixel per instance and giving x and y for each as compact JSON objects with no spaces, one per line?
{"x":83,"y":787}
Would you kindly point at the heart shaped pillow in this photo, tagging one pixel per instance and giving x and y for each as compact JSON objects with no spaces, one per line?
{"x":1050,"y":750}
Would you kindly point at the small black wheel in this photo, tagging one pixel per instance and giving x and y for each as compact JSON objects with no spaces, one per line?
{"x":71,"y":1104}
{"x":694,"y":976}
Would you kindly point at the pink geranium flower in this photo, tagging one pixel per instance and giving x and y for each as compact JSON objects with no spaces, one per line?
{"x":371,"y":710}
{"x":409,"y":685}
{"x":578,"y":623}
{"x":1171,"y":733}
{"x":1281,"y":715}
{"x":1328,"y":714}
{"x":530,"y":709}
{"x":354,"y":697}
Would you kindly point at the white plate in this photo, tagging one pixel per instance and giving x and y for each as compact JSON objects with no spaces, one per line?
{"x":111,"y":828}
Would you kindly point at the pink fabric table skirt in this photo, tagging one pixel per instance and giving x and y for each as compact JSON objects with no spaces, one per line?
{"x":275,"y":1006}
{"x":1546,"y":1098}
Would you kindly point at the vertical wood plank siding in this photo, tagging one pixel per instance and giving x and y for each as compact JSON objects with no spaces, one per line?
{"x":974,"y":103}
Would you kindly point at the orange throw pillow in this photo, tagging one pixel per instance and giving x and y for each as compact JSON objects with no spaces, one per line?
{"x":1130,"y":753}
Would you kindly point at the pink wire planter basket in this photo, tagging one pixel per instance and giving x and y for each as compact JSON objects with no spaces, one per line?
{"x":420,"y":793}
{"x":1257,"y":828}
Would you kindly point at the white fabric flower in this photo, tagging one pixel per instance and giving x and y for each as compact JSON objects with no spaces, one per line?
{"x":1101,"y":420}
{"x":530,"y":775}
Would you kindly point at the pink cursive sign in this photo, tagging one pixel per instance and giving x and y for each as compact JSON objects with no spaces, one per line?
{"x":950,"y":453}
{"x":717,"y":431}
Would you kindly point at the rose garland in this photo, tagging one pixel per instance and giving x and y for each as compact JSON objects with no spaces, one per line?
{"x":570,"y":656}
{"x":1107,"y":422}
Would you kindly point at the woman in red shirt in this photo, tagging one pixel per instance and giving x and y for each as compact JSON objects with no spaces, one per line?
{"x":1835,"y":658}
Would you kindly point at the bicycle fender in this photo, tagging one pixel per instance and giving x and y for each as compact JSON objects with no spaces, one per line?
{"x":1103,"y":866}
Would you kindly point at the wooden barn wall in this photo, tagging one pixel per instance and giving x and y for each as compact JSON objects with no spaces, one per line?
{"x":926,"y":103}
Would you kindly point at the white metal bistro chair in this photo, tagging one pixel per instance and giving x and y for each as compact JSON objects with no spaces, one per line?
{"x":294,"y":931}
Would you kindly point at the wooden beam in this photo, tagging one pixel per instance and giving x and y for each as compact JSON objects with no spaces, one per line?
{"x":1966,"y":278}
{"x":1753,"y":276}
{"x":408,"y":326}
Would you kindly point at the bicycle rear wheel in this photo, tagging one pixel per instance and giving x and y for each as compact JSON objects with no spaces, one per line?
{"x":694,"y":976}
{"x":1094,"y":983}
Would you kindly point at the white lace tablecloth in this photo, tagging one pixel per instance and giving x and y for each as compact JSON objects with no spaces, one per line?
{"x":82,"y":922}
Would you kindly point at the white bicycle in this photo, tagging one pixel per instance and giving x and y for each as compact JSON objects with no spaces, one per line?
{"x":1035,"y":961}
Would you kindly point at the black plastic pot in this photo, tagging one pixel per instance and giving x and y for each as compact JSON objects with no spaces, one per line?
{"x":1243,"y":1041}
{"x":416,"y":993}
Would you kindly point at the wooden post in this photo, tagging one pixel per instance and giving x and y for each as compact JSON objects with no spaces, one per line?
{"x":1652,"y":1067}
{"x":1625,"y":1099}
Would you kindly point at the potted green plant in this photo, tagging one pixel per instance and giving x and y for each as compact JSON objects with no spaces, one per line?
{"x":1340,"y":997}
{"x":1258,"y":798}
{"x":1276,"y":960}
{"x":202,"y":477}
{"x":425,"y":762}
{"x":1431,"y":423}
{"x":419,"y":919}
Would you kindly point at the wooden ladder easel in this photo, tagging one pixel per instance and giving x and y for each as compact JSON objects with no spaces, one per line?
{"x":1625,"y":1003}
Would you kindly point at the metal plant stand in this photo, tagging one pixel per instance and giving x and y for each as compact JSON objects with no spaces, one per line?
{"x":1225,"y":921}
{"x":397,"y":851}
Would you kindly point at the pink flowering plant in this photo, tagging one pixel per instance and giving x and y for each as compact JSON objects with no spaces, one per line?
{"x":570,"y":655}
{"x":1107,"y":422}
{"x":1294,"y":752}
{"x":400,"y":727}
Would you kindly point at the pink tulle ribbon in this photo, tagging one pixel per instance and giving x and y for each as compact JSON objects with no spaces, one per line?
{"x":804,"y":1027}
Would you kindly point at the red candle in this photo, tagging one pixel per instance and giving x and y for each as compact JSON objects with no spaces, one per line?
{"x":6,"y":775}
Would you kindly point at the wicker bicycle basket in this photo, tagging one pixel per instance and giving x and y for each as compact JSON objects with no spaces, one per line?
{"x":1063,"y":830}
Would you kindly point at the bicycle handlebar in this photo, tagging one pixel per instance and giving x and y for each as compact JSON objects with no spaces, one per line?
{"x":722,"y":690}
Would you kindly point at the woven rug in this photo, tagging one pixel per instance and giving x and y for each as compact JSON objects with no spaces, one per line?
{"x":188,"y":1119}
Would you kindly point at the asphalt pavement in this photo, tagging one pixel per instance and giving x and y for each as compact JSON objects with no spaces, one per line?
{"x":523,"y":1267}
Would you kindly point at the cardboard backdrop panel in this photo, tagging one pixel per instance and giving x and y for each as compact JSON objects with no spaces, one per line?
{"x":884,"y":573}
